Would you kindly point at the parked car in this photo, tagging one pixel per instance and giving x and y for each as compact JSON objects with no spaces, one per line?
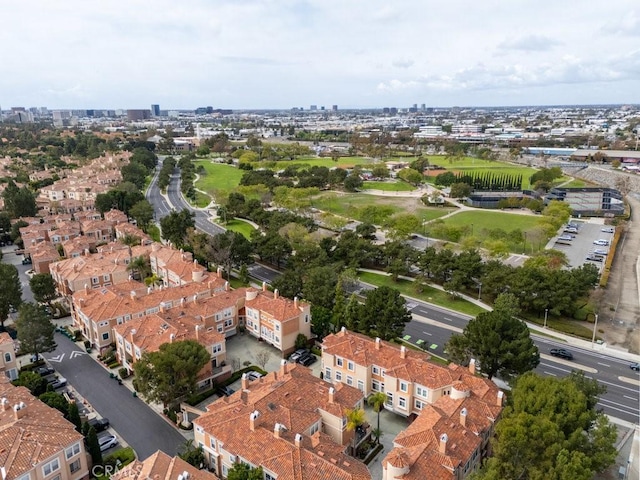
{"x":44,"y":370}
{"x":307,"y":360}
{"x":561,"y":353}
{"x":594,"y":258}
{"x":635,"y":366}
{"x":225,"y":391}
{"x":608,"y":230}
{"x":99,"y":424}
{"x":297,"y":354}
{"x":253,"y":376}
{"x":36,"y":358}
{"x":26,"y":261}
{"x":601,"y":242}
{"x":600,"y":251}
{"x":57,"y":382}
{"x":107,"y":442}
{"x":567,"y":238}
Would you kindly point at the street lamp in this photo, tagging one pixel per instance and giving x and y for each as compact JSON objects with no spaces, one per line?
{"x":595,"y":326}
{"x":479,"y":290}
{"x":546,"y":312}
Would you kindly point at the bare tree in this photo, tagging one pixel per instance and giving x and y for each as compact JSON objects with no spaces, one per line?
{"x":235,"y":364}
{"x":262,"y":358}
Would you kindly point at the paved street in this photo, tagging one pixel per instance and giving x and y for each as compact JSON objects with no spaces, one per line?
{"x":140,"y":426}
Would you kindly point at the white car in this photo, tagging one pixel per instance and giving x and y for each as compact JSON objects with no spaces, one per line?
{"x":600,"y":251}
{"x":107,"y":442}
{"x":608,"y":230}
{"x":602,"y":243}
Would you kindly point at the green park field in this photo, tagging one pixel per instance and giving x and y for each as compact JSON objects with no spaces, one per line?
{"x":219,"y":176}
{"x":486,"y":220}
{"x":398,"y":186}
{"x":240,"y":226}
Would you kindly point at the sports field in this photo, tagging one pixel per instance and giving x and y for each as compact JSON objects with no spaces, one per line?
{"x":393,"y":186}
{"x":483,"y":220}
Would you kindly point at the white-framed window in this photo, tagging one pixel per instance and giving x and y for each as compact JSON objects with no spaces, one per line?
{"x":106,"y":278}
{"x":375,"y":370}
{"x":344,"y":422}
{"x":74,"y":466}
{"x":349,"y":380}
{"x":94,"y":280}
{"x":72,"y":450}
{"x":277,"y":325}
{"x":402,"y":402}
{"x":421,"y":391}
{"x":138,"y":353}
{"x":361,"y":385}
{"x":418,"y":404}
{"x":375,"y":386}
{"x":225,"y":470}
{"x":382,"y":373}
{"x":339,"y":361}
{"x":338,"y":376}
{"x":217,"y":348}
{"x":351,"y":366}
{"x":228,"y":323}
{"x":7,"y":357}
{"x":120,"y":320}
{"x":26,"y":476}
{"x":314,"y":428}
{"x":327,"y":373}
{"x":105,"y":336}
{"x":50,"y":467}
{"x":404,"y":387}
{"x":306,"y":319}
{"x":199,"y":429}
{"x":220,"y":328}
{"x":212,"y":443}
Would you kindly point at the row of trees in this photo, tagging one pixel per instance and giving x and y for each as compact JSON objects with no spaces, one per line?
{"x":164,"y":177}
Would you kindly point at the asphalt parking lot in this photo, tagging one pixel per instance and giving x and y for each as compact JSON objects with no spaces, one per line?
{"x":581,"y":244}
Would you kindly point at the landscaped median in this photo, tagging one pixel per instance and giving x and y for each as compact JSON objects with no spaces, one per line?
{"x":428,"y":294}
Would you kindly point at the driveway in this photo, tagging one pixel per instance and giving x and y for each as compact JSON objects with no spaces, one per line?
{"x":139,"y":426}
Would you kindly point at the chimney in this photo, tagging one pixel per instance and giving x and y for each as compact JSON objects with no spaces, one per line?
{"x":219,"y":272}
{"x":463,"y":417}
{"x":343,"y":329}
{"x":298,"y":440}
{"x":295,"y":302}
{"x":315,"y":439}
{"x":172,"y":338}
{"x":245,"y":381}
{"x":264,"y":286}
{"x":472,"y":366}
{"x":19,"y":410}
{"x":226,"y":286}
{"x":195,"y":298}
{"x":332,"y":393}
{"x":377,"y":343}
{"x":500,"y":398}
{"x":276,"y":293}
{"x":86,"y":288}
{"x":161,"y":307}
{"x":133,"y":294}
{"x":197,"y":335}
{"x":403,"y":351}
{"x":283,"y":367}
{"x":252,"y":419}
{"x":4,"y":404}
{"x":75,"y":267}
{"x":443,"y":444}
{"x":276,"y":430}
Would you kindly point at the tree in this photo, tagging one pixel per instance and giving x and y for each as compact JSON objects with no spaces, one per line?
{"x":142,"y":213}
{"x":170,"y":373}
{"x":411,"y":176}
{"x":352,"y":182}
{"x":353,"y":318}
{"x":93,"y":447}
{"x":35,"y":329}
{"x":262,"y":358}
{"x":43,"y":287}
{"x":10,"y":291}
{"x":320,"y":284}
{"x":36,"y":384}
{"x":377,"y":401}
{"x":193,"y":455}
{"x":242,"y":471}
{"x":140,"y":267}
{"x":550,"y":429}
{"x":57,"y":401}
{"x":321,"y":324}
{"x":460,"y":190}
{"x":355,"y":419}
{"x":499,"y":341}
{"x":386,"y":313}
{"x":73,"y":415}
{"x":175,"y":225}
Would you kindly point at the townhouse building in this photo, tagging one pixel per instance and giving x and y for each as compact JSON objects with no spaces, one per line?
{"x":38,"y":443}
{"x":115,"y":216}
{"x":8,"y":360}
{"x":124,"y":229}
{"x":175,"y":267}
{"x":161,"y":466}
{"x":99,"y":231}
{"x":42,"y":255}
{"x":275,"y":319}
{"x":64,"y":232}
{"x":289,"y":422}
{"x":75,"y":247}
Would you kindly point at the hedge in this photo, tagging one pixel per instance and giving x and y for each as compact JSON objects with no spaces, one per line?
{"x":604,"y":278}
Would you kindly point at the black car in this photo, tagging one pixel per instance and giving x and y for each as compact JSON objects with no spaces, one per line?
{"x":307,"y":359}
{"x":561,"y":353}
{"x":225,"y":391}
{"x":44,"y":370}
{"x":635,"y":366}
{"x":99,"y":424}
{"x":298,"y":353}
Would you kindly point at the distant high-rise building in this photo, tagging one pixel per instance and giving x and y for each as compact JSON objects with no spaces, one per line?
{"x":322,"y":108}
{"x":313,"y":108}
{"x":155,"y":110}
{"x":334,"y":108}
{"x":135,"y":115}
{"x":393,"y":110}
{"x":385,"y":110}
{"x":413,"y":109}
{"x":423,"y":107}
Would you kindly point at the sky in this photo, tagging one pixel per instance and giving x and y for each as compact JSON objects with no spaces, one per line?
{"x":251,"y":54}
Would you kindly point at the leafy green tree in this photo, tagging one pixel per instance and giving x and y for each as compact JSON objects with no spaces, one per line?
{"x":175,"y":225}
{"x":386,"y":312}
{"x":499,"y":341}
{"x":93,"y":447}
{"x":73,"y":414}
{"x":35,"y":329}
{"x":140,"y":267}
{"x":339,"y":305}
{"x":548,"y":430}
{"x":321,"y":321}
{"x":192,"y":454}
{"x":170,"y":373}
{"x":57,"y":401}
{"x":242,"y":471}
{"x":352,"y":182}
{"x":376,"y":401}
{"x":460,"y":190}
{"x":19,"y":202}
{"x":319,"y":286}
{"x":36,"y":384}
{"x":43,"y":287}
{"x":355,"y":418}
{"x":10,"y":291}
{"x":402,"y":225}
{"x":411,"y":176}
{"x":142,"y":213}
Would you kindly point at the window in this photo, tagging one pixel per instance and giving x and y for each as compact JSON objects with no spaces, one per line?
{"x":225,"y":470}
{"x":268,"y":476}
{"x":217,"y":348}
{"x":74,"y":466}
{"x":344,"y":422}
{"x":51,"y":467}
{"x":306,"y":319}
{"x":338,"y":376}
{"x":72,"y":450}
{"x":404,"y":387}
{"x":106,"y":277}
{"x":26,"y":476}
{"x":419,"y":405}
{"x":277,"y":327}
{"x":220,"y":328}
{"x":402,"y":402}
{"x":351,"y":366}
{"x":314,"y":428}
{"x":375,"y":370}
{"x":94,"y":280}
{"x":228,"y":323}
{"x":7,"y":357}
{"x":199,"y":429}
{"x":349,"y":380}
{"x":105,"y":336}
{"x":339,"y":362}
{"x":361,"y":385}
{"x":327,"y":373}
{"x":421,"y":392}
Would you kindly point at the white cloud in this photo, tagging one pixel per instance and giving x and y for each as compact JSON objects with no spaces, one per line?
{"x":529,"y":43}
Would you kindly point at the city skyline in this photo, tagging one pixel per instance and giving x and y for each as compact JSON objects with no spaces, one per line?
{"x":278,"y":55}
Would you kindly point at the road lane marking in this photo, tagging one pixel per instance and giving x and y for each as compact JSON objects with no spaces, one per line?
{"x":427,"y":333}
{"x":630,"y":407}
{"x":551,"y":374}
{"x":632,"y":381}
{"x":603,"y":364}
{"x":77,"y":353}
{"x":618,"y":409}
{"x":57,"y":358}
{"x":567,"y":363}
{"x":630,"y":398}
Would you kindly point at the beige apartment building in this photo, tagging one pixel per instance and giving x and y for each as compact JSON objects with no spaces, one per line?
{"x":36,"y":442}
{"x":289,"y":422}
{"x":275,"y":319}
{"x":176,"y":267}
{"x":161,"y":466}
{"x":8,"y":360}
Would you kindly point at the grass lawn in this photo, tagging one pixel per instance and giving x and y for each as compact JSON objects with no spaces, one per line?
{"x":482,"y":220}
{"x":475,"y":165}
{"x":240,"y":226}
{"x":219,"y":176}
{"x":577,"y":183}
{"x":398,"y":186}
{"x":202,"y":200}
{"x":343,"y":162}
{"x":431,"y":295}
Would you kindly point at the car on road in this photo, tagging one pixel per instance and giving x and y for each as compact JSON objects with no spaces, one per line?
{"x":107,"y":442}
{"x":225,"y":391}
{"x":635,"y":366}
{"x":608,"y":230}
{"x":36,"y":358}
{"x":44,"y":370}
{"x":561,"y":353}
{"x":253,"y":376}
{"x":601,"y":242}
{"x":307,"y":360}
{"x":99,"y":424}
{"x":293,"y":358}
{"x":57,"y":382}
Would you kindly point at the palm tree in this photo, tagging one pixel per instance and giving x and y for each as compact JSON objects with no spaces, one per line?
{"x":141,"y":266}
{"x":377,"y":401}
{"x":130,"y":240}
{"x":355,"y":419}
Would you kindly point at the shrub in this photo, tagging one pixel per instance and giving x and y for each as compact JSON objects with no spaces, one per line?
{"x":196,"y":398}
{"x":113,"y":364}
{"x":87,"y":344}
{"x":123,"y":372}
